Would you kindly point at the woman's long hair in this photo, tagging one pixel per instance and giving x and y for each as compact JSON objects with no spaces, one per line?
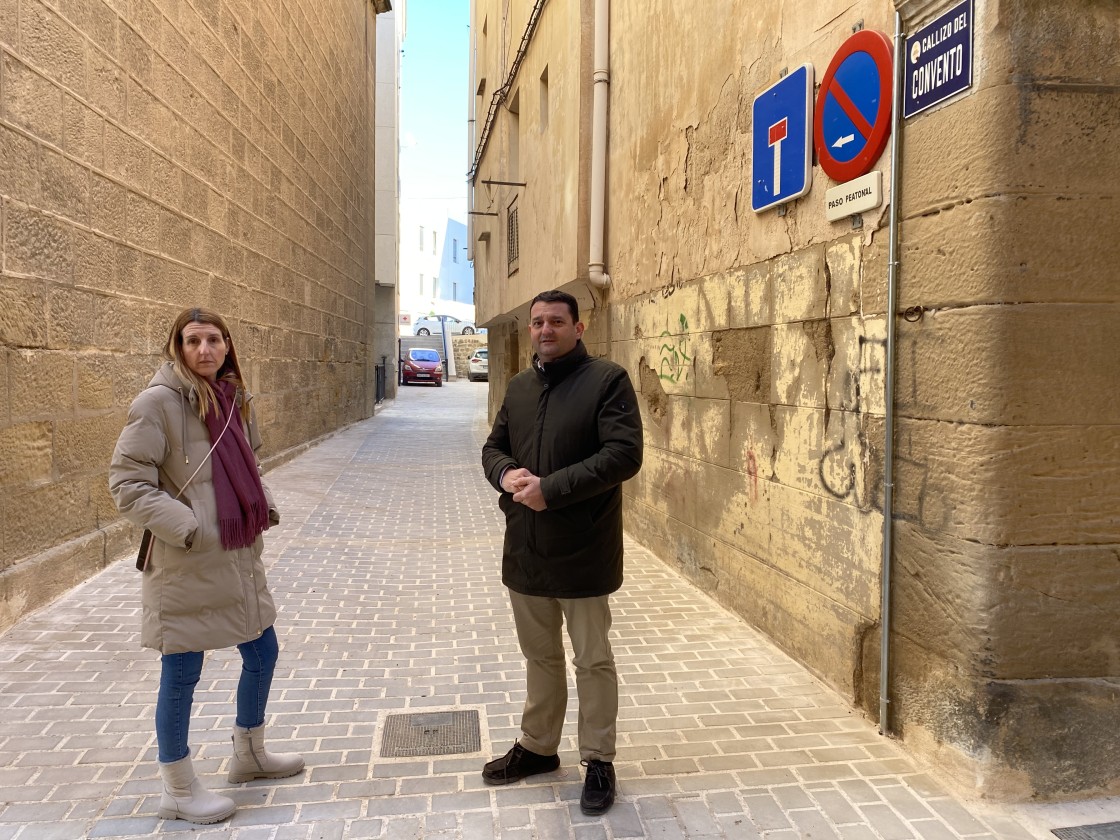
{"x":229,"y":371}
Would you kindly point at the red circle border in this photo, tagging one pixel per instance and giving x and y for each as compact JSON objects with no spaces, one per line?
{"x":877,"y":45}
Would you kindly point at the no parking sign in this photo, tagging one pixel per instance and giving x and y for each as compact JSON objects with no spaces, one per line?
{"x":852,"y":118}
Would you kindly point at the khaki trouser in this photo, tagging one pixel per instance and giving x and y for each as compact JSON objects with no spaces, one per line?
{"x":539,"y":622}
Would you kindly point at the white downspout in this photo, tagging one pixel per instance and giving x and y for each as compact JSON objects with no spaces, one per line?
{"x":596,"y":269}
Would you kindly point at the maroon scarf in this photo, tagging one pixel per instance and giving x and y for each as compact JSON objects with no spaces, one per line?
{"x":242,"y":508}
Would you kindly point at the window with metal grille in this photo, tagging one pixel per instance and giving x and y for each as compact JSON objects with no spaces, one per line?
{"x":512,"y":244}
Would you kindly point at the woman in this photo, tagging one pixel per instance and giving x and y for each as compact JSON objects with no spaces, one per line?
{"x":185,"y":469}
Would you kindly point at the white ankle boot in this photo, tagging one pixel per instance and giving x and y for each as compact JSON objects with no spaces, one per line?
{"x":252,"y":761}
{"x":184,"y":797}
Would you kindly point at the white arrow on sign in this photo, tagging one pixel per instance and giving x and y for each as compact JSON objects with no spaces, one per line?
{"x":844,"y":141}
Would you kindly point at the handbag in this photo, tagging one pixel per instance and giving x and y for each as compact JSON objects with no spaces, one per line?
{"x":148,"y":540}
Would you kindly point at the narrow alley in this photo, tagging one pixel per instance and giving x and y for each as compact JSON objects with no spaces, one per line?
{"x":386,"y":574}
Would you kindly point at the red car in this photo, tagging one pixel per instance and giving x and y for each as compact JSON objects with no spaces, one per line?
{"x":422,"y":366}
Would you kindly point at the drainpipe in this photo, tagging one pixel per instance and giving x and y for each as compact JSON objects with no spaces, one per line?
{"x":472,"y":128}
{"x":888,"y":453}
{"x":596,"y":269}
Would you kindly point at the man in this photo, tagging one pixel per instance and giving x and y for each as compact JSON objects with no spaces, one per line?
{"x":567,"y":435}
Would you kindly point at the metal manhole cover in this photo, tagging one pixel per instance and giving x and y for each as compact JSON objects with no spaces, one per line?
{"x":1103,"y":831}
{"x":430,"y":733}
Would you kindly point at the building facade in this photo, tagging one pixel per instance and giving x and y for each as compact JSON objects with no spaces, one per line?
{"x":160,"y":155}
{"x":392,"y":24}
{"x":969,"y":555}
{"x":456,"y":275}
{"x":436,"y":277}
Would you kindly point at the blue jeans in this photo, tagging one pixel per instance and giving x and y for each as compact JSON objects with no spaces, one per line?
{"x":181,"y":673}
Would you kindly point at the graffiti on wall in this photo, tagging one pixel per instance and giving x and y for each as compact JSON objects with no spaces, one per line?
{"x":752,"y":474}
{"x":837,"y":467}
{"x":670,"y":288}
{"x":674,"y":360}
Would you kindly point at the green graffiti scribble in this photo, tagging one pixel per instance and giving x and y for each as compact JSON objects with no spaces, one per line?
{"x":674,"y":359}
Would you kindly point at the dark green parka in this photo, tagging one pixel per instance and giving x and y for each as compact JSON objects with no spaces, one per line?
{"x":575,"y":423}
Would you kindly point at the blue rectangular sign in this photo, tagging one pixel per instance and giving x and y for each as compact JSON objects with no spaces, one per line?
{"x":938,"y":60}
{"x":782,"y":141}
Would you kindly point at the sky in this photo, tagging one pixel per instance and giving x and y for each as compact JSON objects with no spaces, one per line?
{"x":433,"y":116}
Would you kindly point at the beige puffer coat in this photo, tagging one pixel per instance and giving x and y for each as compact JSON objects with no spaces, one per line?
{"x":207,"y":597}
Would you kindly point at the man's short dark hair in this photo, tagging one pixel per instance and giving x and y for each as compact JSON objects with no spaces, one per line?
{"x":557,"y":296}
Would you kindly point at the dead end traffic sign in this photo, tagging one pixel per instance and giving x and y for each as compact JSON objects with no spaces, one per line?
{"x":782,"y":142}
{"x":852,"y":118}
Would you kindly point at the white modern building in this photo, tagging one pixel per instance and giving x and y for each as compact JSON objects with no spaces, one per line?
{"x":435,"y":276}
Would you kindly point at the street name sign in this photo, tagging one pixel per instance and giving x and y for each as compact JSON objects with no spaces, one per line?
{"x":938,"y":60}
{"x":782,"y":152}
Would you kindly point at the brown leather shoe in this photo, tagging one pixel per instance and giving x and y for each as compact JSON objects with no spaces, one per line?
{"x":516,"y":764}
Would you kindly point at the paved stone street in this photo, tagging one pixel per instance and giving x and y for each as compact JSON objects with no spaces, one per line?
{"x":386,"y":575}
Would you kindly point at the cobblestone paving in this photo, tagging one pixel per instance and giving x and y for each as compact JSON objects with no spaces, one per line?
{"x":386,"y":575}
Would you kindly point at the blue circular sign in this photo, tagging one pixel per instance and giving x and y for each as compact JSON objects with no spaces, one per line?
{"x":853,"y":110}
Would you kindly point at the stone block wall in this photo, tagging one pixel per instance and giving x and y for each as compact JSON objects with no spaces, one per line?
{"x":1007,"y":597}
{"x":463,"y":346}
{"x":157,"y":155}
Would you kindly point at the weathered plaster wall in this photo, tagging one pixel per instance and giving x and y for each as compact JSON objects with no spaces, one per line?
{"x":153,"y":156}
{"x":763,"y":471}
{"x":757,"y":340}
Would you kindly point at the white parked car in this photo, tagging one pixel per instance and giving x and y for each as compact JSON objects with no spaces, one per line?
{"x":433,"y":325}
{"x":478,"y":365}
